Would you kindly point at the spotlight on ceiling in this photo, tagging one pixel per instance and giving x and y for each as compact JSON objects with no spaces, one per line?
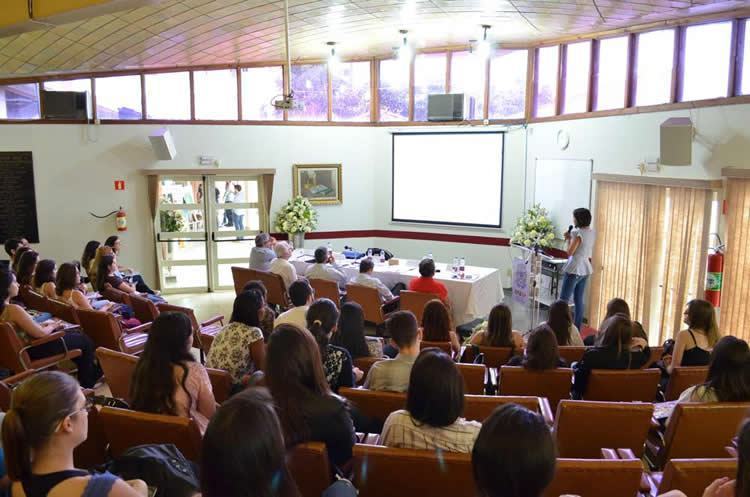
{"x":483,"y":47}
{"x":404,"y":51}
{"x":333,"y":58}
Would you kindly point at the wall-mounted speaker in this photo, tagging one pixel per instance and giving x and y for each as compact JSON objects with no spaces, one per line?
{"x":163,"y":144}
{"x":676,"y":142}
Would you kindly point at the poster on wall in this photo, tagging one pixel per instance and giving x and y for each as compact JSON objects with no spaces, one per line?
{"x":17,"y":197}
{"x":520,"y":285}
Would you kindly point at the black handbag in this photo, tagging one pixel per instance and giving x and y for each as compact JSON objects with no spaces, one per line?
{"x":161,"y":466}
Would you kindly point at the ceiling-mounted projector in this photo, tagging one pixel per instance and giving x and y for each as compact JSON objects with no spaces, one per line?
{"x":286,"y":102}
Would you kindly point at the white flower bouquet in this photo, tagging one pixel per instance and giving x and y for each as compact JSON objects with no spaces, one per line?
{"x":296,"y":216}
{"x":534,"y":228}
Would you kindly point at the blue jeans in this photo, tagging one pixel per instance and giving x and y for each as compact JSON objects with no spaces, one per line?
{"x":574,"y":285}
{"x":239,"y":222}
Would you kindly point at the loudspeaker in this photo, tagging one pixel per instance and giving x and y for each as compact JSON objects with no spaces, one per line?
{"x":676,"y":142}
{"x":448,"y":107}
{"x":163,"y":144}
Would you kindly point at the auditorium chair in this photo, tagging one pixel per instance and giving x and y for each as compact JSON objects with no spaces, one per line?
{"x":590,"y":478}
{"x":32,"y":299}
{"x":583,"y":428}
{"x":63,"y":310}
{"x":623,"y":385}
{"x":494,"y":357}
{"x":369,"y":299}
{"x":203,"y":331}
{"x":124,"y":429}
{"x":474,"y":377}
{"x":221,"y":384}
{"x":118,"y":370}
{"x":115,"y":295}
{"x":144,"y":310}
{"x":553,"y":384}
{"x":241,"y":276}
{"x":444,"y":346}
{"x":93,"y":451}
{"x":365,"y":363}
{"x":692,"y":476}
{"x":8,"y":384}
{"x":571,"y":353}
{"x":696,"y":430}
{"x":415,"y":302}
{"x":275,"y":289}
{"x":14,"y":354}
{"x":326,"y":289}
{"x":656,"y":353}
{"x":105,"y":331}
{"x":309,"y":466}
{"x":682,"y":378}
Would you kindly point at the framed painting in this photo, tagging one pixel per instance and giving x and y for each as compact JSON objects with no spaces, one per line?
{"x":319,"y":183}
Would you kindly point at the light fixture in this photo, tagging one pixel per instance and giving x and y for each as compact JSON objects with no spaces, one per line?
{"x":404,"y":51}
{"x":333,"y":58}
{"x":483,"y":47}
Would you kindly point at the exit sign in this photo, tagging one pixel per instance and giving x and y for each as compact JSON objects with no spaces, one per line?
{"x":119,"y":184}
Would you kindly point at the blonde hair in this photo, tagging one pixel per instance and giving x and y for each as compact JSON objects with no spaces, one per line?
{"x":102,"y":251}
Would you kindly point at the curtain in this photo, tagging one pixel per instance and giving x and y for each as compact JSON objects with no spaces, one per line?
{"x":266,"y":195}
{"x":735,"y":312}
{"x":154,"y":194}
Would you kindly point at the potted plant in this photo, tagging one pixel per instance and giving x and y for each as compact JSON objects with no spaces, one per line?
{"x":171,"y":222}
{"x":296,"y":218}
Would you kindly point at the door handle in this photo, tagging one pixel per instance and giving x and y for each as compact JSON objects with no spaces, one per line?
{"x":158,"y":239}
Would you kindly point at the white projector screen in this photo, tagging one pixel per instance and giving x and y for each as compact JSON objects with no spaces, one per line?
{"x":448,"y":178}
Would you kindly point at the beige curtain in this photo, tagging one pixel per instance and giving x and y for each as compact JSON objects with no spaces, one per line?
{"x":154,"y":194}
{"x":266,"y":195}
{"x":735,"y":299}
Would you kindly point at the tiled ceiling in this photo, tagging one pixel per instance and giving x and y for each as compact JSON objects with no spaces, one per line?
{"x":194,"y":32}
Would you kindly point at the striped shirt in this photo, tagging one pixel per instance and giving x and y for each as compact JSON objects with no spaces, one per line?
{"x":403,"y":432}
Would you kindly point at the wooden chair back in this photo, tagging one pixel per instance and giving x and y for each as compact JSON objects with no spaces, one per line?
{"x":554,"y":384}
{"x":623,"y":385}
{"x":115,"y":295}
{"x":7,"y":385}
{"x":571,"y":353}
{"x":63,"y":310}
{"x":275,"y":288}
{"x":241,"y":276}
{"x":474,"y":375}
{"x":415,"y":302}
{"x":583,"y":428}
{"x":369,"y":299}
{"x":365,"y":363}
{"x":494,"y":357}
{"x":118,"y":370}
{"x":656,"y":353}
{"x":221,"y":384}
{"x":326,"y":289}
{"x":102,"y":327}
{"x":444,"y":346}
{"x":145,"y":310}
{"x":10,"y":348}
{"x":692,"y":476}
{"x":124,"y":428}
{"x":33,"y":299}
{"x":683,"y":378}
{"x":309,"y":466}
{"x":583,"y":477}
{"x":479,"y":407}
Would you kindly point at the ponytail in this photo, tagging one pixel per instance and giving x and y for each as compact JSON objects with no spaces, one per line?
{"x":321,"y":320}
{"x":16,"y":446}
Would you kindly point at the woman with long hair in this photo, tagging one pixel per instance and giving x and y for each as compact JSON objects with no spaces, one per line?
{"x":44,"y":278}
{"x":47,"y":420}
{"x":728,"y":377}
{"x":692,"y":347}
{"x":350,"y":333}
{"x":434,"y":405}
{"x":18,"y":255}
{"x":437,"y":325}
{"x":26,"y":267}
{"x":137,"y":280}
{"x":307,"y":409}
{"x":579,"y":245}
{"x":67,"y":284}
{"x":106,"y":273}
{"x":167,"y":379}
{"x":500,"y":332}
{"x":93,"y":269}
{"x":560,"y":322}
{"x":27,"y":330}
{"x":89,"y":252}
{"x":542,"y":351}
{"x":243,"y":450}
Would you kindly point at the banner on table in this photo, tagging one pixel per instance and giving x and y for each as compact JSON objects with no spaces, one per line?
{"x":520,"y":284}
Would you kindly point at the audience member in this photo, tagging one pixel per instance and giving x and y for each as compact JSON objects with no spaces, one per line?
{"x":692,"y":347}
{"x":89,"y":252}
{"x":499,"y":332}
{"x":140,"y":285}
{"x":728,"y":377}
{"x":437,"y":325}
{"x":167,"y":379}
{"x":107,"y":273}
{"x":426,"y":282}
{"x":322,"y":317}
{"x":541,"y":351}
{"x":27,"y":330}
{"x":393,"y":374}
{"x":266,"y":315}
{"x":18,"y":255}
{"x":93,"y":269}
{"x":44,"y":278}
{"x":26,"y":267}
{"x":243,"y":450}
{"x":301,"y":295}
{"x":351,"y":333}
{"x":514,"y":454}
{"x":48,"y":419}
{"x":13,"y":244}
{"x":434,"y":404}
{"x":307,"y":409}
{"x":67,"y":290}
{"x":281,"y":265}
{"x":262,"y":254}
{"x":238,"y":348}
{"x":325,"y":268}
{"x":365,"y":278}
{"x":560,"y":322}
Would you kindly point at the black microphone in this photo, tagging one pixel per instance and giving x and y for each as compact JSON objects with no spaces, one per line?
{"x":570,"y":228}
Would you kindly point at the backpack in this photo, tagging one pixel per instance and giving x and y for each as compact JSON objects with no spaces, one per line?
{"x":161,"y":466}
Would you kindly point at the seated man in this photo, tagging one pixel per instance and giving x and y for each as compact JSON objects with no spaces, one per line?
{"x":301,"y":295}
{"x":393,"y":374}
{"x":426,"y":282}
{"x":325,"y":268}
{"x":262,"y":254}
{"x":281,"y":264}
{"x":365,"y":278}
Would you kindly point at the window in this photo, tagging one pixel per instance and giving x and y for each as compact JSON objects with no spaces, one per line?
{"x":260,"y":86}
{"x":168,"y":95}
{"x":577,"y":68}
{"x":429,"y":78}
{"x":310,"y":88}
{"x":613,"y":73}
{"x":19,"y":101}
{"x":707,"y":51}
{"x":546,"y":88}
{"x":393,"y":90}
{"x":653,"y":70}
{"x":79,"y":85}
{"x":215,"y":94}
{"x":468,"y":77}
{"x":508,"y":84}
{"x":351,"y":91}
{"x":745,"y":84}
{"x":119,"y":97}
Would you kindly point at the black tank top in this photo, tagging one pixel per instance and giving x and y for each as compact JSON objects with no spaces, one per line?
{"x":695,"y":356}
{"x":40,"y":485}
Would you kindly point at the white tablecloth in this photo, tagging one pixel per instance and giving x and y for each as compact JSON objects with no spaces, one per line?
{"x":471,"y":298}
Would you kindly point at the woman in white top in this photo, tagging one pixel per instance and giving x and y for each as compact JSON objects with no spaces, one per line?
{"x":281,"y":264}
{"x":580,"y":248}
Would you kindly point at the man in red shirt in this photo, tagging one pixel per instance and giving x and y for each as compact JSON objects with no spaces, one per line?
{"x":426,"y":283}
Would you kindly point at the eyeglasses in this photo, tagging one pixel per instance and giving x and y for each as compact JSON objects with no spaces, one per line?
{"x":86,"y":407}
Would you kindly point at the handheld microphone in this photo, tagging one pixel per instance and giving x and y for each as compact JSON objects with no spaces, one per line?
{"x":570,"y":228}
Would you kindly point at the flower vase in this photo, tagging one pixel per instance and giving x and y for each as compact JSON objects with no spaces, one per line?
{"x":298,"y":240}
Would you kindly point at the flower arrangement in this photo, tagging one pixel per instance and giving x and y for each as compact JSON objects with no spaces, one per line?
{"x":296,"y":216}
{"x":534,"y":228}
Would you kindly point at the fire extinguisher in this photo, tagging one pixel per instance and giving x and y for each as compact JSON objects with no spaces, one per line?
{"x":121,"y":219}
{"x":715,"y":273}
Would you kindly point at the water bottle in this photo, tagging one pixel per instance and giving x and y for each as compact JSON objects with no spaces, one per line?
{"x":454,"y":267}
{"x":429,"y":256}
{"x":382,"y":255}
{"x":369,"y":253}
{"x":330,"y":248}
{"x":461,"y":268}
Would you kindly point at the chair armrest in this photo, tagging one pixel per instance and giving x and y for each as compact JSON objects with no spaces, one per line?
{"x":626,"y":454}
{"x":397,"y":298}
{"x":18,"y":378}
{"x":545,"y":410}
{"x":732,"y":451}
{"x":215,"y":319}
{"x":143,"y":328}
{"x":610,"y":454}
{"x":57,"y":335}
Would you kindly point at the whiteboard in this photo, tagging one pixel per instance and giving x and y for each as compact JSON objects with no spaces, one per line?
{"x":561,"y":186}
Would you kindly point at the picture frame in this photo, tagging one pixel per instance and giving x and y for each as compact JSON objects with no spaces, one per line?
{"x":319,"y":183}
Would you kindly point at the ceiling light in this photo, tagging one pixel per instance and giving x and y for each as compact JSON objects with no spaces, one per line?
{"x":404,"y":51}
{"x":333,"y":58}
{"x":483,"y":47}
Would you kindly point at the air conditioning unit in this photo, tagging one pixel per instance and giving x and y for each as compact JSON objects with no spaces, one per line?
{"x":64,"y":104}
{"x":446,"y":107}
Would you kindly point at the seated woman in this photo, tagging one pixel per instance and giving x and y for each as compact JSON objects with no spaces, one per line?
{"x":437,"y":325}
{"x":89,"y":253}
{"x":167,"y":379}
{"x":238,"y":348}
{"x":692,"y":347}
{"x":44,"y":278}
{"x":514,"y":454}
{"x":106,"y":273}
{"x":18,"y":255}
{"x":307,"y":409}
{"x":620,"y":306}
{"x":434,"y":404}
{"x":614,"y":350}
{"x":94,"y":266}
{"x":26,"y":267}
{"x":728,"y":377}
{"x":243,"y":450}
{"x":322,"y":317}
{"x":500,"y":332}
{"x":541,"y":351}
{"x":27,"y":330}
{"x":266,"y":314}
{"x":140,"y":285}
{"x":67,"y":290}
{"x":560,"y":322}
{"x":350,"y":334}
{"x":47,"y":421}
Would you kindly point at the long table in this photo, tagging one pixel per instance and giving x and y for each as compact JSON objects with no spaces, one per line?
{"x":471,"y":298}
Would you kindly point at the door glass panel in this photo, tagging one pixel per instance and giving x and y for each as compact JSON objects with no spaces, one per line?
{"x":181,"y":191}
{"x":181,"y":250}
{"x":181,"y":221}
{"x":176,"y":277}
{"x":225,"y":274}
{"x":234,"y":249}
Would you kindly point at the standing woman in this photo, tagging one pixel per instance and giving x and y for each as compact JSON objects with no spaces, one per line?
{"x":44,"y":278}
{"x":580,"y":248}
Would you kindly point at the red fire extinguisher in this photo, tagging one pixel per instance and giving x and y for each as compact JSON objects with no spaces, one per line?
{"x":121,"y":220}
{"x":715,"y":274}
